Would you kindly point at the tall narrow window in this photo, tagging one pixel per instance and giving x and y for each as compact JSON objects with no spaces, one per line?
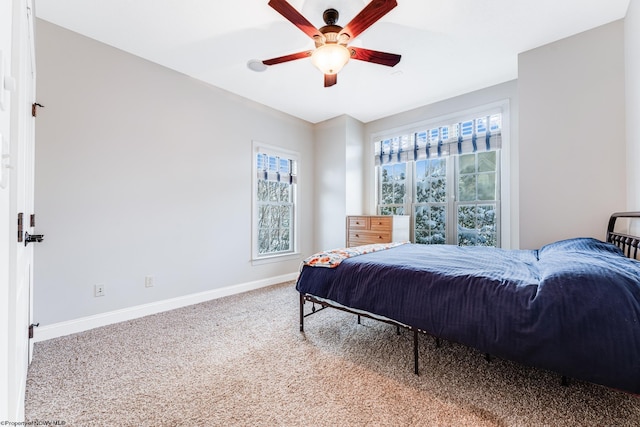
{"x":478,"y":199}
{"x":393,"y":189}
{"x":431,"y":204}
{"x":274,"y":200}
{"x":447,"y":177}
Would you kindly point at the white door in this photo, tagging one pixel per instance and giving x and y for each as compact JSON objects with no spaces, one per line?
{"x":6,"y":216}
{"x":17,"y":198}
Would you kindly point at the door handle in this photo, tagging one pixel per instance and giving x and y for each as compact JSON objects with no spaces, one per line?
{"x":32,"y":238}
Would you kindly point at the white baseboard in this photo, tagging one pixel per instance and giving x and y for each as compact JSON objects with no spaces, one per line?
{"x":68,"y":327}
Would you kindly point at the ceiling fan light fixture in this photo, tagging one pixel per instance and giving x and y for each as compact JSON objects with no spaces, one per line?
{"x":330,"y":58}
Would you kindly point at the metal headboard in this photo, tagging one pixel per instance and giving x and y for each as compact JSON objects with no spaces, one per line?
{"x":626,"y":242}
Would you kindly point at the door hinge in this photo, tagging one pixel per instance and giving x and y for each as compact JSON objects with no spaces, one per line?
{"x":20,"y":227}
{"x":34,"y":108}
{"x":31,"y":326}
{"x":33,"y":220}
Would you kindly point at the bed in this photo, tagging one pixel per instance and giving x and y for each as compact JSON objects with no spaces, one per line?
{"x":572,"y":307}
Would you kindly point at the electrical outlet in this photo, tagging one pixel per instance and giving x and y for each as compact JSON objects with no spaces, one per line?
{"x":148,"y":281}
{"x":99,"y":291}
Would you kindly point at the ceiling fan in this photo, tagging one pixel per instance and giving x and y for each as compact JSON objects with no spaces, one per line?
{"x":331,"y":52}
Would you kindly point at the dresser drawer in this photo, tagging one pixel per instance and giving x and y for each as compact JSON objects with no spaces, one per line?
{"x":366,"y":237}
{"x":380,"y":223}
{"x":358,"y":223}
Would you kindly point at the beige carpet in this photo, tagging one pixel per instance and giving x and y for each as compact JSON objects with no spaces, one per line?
{"x":241,"y":361}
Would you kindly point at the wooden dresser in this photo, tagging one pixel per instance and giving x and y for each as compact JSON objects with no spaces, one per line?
{"x":367,"y":229}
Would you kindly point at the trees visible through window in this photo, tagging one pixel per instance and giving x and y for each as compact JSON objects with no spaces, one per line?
{"x":478,"y":199}
{"x":394,"y":189}
{"x":430,"y":207}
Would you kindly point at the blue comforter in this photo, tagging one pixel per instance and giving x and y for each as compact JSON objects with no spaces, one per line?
{"x":572,"y":306}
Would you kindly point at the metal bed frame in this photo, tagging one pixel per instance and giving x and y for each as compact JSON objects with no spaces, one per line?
{"x":325,"y":304}
{"x":626,"y":242}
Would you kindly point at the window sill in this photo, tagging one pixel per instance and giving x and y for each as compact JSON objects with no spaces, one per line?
{"x":276,"y":258}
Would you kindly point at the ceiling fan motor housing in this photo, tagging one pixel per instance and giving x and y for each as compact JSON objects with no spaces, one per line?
{"x":330,"y":16}
{"x":331,"y":31}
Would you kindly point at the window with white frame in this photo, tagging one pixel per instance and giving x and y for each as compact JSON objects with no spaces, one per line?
{"x":275,"y":177}
{"x":447,"y":177}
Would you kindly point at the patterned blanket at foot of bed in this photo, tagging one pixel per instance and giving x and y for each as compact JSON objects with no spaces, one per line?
{"x":332,"y":258}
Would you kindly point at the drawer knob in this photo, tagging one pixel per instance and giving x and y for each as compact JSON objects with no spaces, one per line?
{"x":357,"y":235}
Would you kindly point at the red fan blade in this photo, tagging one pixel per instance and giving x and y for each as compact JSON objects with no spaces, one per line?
{"x":330,"y":79}
{"x":287,"y":58}
{"x":382,"y":58}
{"x":367,"y":16}
{"x":289,"y":12}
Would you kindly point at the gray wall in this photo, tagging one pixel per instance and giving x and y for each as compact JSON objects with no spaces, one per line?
{"x":572,"y":136}
{"x":632,"y":90}
{"x":143,"y":171}
{"x":338,"y":179}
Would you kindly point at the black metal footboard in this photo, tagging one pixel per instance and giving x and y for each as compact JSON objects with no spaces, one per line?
{"x":625,"y":241}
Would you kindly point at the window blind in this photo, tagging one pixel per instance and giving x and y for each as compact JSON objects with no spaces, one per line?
{"x":479,"y":134}
{"x":275,"y":168}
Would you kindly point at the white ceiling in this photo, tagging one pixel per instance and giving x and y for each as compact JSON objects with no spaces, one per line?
{"x":448,"y":47}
